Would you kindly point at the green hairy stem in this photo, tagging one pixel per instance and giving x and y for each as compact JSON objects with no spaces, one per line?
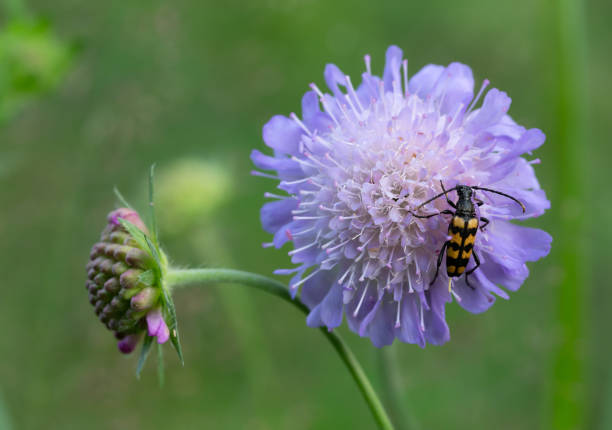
{"x":200,"y":277}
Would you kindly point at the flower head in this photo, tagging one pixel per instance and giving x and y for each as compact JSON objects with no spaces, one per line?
{"x":122,"y":284}
{"x":354,"y":171}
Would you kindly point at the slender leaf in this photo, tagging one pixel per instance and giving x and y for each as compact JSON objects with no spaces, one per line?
{"x":145,"y":243}
{"x":121,"y":199}
{"x":170,"y":318}
{"x":160,"y":365}
{"x":144,"y":353}
{"x":154,"y":250}
{"x":136,"y":233}
{"x":153,"y":219}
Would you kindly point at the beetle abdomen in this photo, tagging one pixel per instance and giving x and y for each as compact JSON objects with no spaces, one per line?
{"x":462,"y":230}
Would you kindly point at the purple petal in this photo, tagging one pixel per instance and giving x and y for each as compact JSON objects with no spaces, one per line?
{"x":535,"y":202}
{"x":128,"y":343}
{"x":487,"y":285}
{"x":475,"y":300}
{"x":283,"y":135}
{"x":312,"y":116}
{"x":423,"y":81}
{"x":517,"y":242}
{"x":308,"y":251}
{"x":529,"y":141}
{"x":329,"y":312}
{"x":317,"y":287}
{"x":511,"y":246}
{"x":367,"y":303}
{"x":510,"y":161}
{"x":436,"y":329}
{"x":455,"y":87}
{"x":275,"y":215}
{"x":157,"y":326}
{"x":494,"y":107}
{"x":314,"y":317}
{"x":282,"y":236}
{"x":523,"y":177}
{"x":295,"y":279}
{"x":511,"y":277}
{"x":333,"y":77}
{"x":368,"y":90}
{"x":331,"y":307}
{"x":409,"y":330}
{"x":393,"y":63}
{"x":380,"y":330}
{"x":128,"y":215}
{"x":498,"y":171}
{"x":287,"y":168}
{"x":371,"y":314}
{"x":506,"y":127}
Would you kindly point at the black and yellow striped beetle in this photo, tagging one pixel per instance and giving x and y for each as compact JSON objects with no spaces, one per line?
{"x":461,"y":229}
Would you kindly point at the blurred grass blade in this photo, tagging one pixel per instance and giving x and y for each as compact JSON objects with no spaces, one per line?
{"x":392,"y":384}
{"x":122,"y":199}
{"x":568,"y":401}
{"x":5,"y":422}
{"x":152,"y":217}
{"x":144,"y":353}
{"x":160,"y":365}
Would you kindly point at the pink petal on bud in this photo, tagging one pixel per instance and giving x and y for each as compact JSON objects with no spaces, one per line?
{"x":128,"y":343}
{"x":145,"y":299}
{"x":128,"y":215}
{"x":157,"y":326}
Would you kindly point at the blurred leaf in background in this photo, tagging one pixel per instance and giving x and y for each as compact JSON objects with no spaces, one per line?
{"x":33,"y":61}
{"x":189,"y":192}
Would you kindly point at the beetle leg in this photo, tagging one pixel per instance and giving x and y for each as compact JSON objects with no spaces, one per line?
{"x":451,"y":204}
{"x":485,"y":221}
{"x":469,"y":272}
{"x":446,"y":211}
{"x":440,"y":255}
{"x":478,"y":202}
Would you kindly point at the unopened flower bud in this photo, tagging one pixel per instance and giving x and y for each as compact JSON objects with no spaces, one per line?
{"x":145,"y":299}
{"x":128,"y":215}
{"x":119,"y":289}
{"x":128,"y":343}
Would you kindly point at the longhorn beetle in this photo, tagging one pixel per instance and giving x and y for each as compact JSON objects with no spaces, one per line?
{"x":462,"y":230}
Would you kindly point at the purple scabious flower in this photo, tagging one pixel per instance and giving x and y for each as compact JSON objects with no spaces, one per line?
{"x":356,"y":166}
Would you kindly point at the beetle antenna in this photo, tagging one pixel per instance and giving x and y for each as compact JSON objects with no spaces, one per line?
{"x":501,"y":194}
{"x":436,"y":197}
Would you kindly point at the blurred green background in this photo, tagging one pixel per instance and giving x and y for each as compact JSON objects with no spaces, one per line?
{"x":112,"y":87}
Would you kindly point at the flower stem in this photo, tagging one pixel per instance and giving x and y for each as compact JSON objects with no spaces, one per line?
{"x":198,"y":277}
{"x":391,"y":379}
{"x":569,"y":394}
